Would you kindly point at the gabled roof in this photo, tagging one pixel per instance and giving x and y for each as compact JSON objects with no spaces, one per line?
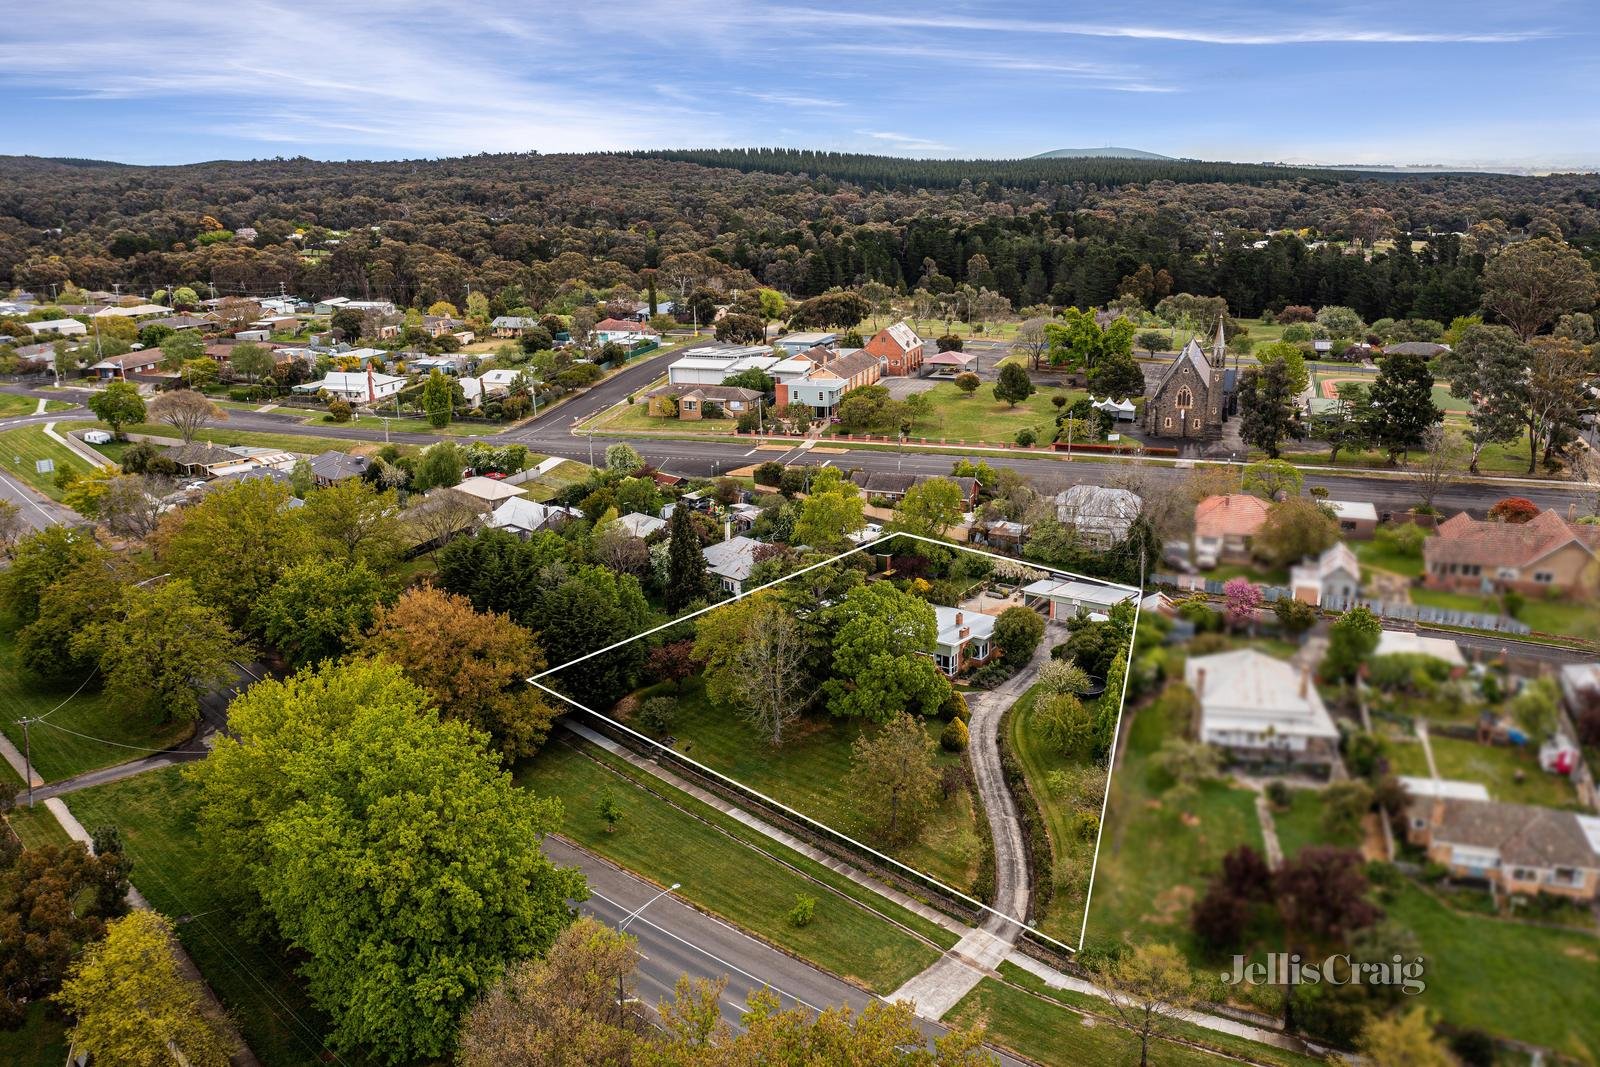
{"x":519,"y":513}
{"x":903,"y":336}
{"x":621,"y":326}
{"x":336,"y":466}
{"x":1337,"y":557}
{"x":1523,"y":834}
{"x":1233,"y":515}
{"x":1463,"y":539}
{"x":1247,"y":690}
{"x":640,"y":525}
{"x":1192,"y":355}
{"x":733,"y":558}
{"x":951,"y":621}
{"x":492,"y":490}
{"x":846,"y":366}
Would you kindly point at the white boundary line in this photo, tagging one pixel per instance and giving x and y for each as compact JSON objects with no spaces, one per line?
{"x":919,"y":875}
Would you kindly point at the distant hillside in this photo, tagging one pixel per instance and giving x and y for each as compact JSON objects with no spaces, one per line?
{"x":1101,"y":153}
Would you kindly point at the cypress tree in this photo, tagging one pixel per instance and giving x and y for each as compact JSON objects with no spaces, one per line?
{"x":686,"y":567}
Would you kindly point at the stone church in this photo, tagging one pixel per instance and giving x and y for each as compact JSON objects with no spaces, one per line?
{"x":1190,"y":399}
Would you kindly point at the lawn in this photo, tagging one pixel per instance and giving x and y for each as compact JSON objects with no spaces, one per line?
{"x":710,"y":856}
{"x":636,"y":416}
{"x":979,"y":417}
{"x":1381,"y":557}
{"x":220,"y":435}
{"x":1300,"y":825}
{"x":1156,"y":856}
{"x":1547,"y":616}
{"x":1526,"y":982}
{"x":35,"y":827}
{"x":568,"y":472}
{"x":58,"y":755}
{"x":1495,"y":766}
{"x":41,"y":1040}
{"x":22,"y":447}
{"x":1070,"y":850}
{"x":257,"y":985}
{"x":811,"y":773}
{"x":12,"y":405}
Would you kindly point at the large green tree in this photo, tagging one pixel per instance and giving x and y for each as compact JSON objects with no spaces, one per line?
{"x":1531,"y":283}
{"x":878,"y":632}
{"x":1013,"y":386}
{"x":930,"y":508}
{"x":687,"y":580}
{"x":1269,"y":414}
{"x":897,"y":777}
{"x":117,"y":405}
{"x":318,"y":609}
{"x":1400,"y":407}
{"x":387,"y":847}
{"x":1488,"y":368}
{"x":832,"y":511}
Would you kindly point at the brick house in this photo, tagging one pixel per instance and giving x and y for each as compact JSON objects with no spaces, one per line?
{"x":900,"y":349}
{"x":966,"y":639}
{"x":1517,"y":848}
{"x":688,"y":402}
{"x":1546,"y":554}
{"x":1224,"y":527}
{"x":822,"y":387}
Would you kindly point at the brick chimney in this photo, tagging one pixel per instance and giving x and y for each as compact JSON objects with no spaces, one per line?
{"x":959,"y":618}
{"x":1200,"y":682}
{"x":1305,"y":681}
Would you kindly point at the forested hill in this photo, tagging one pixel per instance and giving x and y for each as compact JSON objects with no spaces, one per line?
{"x":898,"y":172}
{"x":553,"y":230}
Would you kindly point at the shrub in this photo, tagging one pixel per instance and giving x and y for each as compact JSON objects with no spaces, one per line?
{"x":657,"y":714}
{"x":1026,"y":437}
{"x":339,"y":410}
{"x":1404,"y":539}
{"x":954,"y":737}
{"x":1279,"y":793}
{"x":955,"y":707}
{"x":1018,"y":631}
{"x":804,"y":910}
{"x":1086,"y":824}
{"x":1294,"y":616}
{"x":769,"y":473}
{"x":1514,"y":509}
{"x":953,"y":779}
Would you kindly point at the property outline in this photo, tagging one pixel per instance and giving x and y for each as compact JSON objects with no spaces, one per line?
{"x":790,"y":812}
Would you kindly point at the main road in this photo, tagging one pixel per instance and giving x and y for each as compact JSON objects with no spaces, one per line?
{"x":555,"y":433}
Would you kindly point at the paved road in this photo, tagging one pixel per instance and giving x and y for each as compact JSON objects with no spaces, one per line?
{"x":675,"y":939}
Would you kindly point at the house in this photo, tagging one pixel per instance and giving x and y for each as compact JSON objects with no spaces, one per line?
{"x":525,"y":517}
{"x":133,"y":311}
{"x":1064,"y":598}
{"x":332,"y":467}
{"x":965,"y":639}
{"x":198,"y":459}
{"x":344,"y":303}
{"x":1547,"y":554}
{"x":439,"y":325}
{"x":488,"y":493}
{"x":185,"y":322}
{"x":1188,"y":400}
{"x":822,"y":387}
{"x":1409,"y":642}
{"x":795,"y":343}
{"x":1358,"y":519}
{"x":998,"y":533}
{"x":58,"y":328}
{"x":511,"y":325}
{"x":637,"y":525}
{"x":714,"y":370}
{"x":642,"y":313}
{"x":128,"y":363}
{"x":504,"y":379}
{"x":1102,"y":517}
{"x":624,"y":332}
{"x":1518,"y":849}
{"x":358,"y":387}
{"x":445,"y":363}
{"x":891,"y":486}
{"x":731,"y":561}
{"x":689,"y":402}
{"x":1262,"y":711}
{"x":902,"y":352}
{"x":1333,"y":578}
{"x":1224,"y":527}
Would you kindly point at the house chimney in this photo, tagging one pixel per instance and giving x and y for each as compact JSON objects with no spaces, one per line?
{"x":1200,"y":682}
{"x":959,"y":617}
{"x":727,"y":530}
{"x":1305,"y":681}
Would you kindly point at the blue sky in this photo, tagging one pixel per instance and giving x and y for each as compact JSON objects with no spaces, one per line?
{"x":1456,"y":81}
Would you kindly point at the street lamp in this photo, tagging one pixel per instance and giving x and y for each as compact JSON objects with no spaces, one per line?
{"x":636,"y":912}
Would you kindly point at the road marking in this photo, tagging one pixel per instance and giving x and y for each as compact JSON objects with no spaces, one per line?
{"x":753,"y":451}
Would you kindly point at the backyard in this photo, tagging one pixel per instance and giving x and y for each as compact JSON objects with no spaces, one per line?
{"x":1511,"y":773}
{"x":811,"y":773}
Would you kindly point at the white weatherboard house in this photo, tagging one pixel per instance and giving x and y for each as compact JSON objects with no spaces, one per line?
{"x":1262,"y":710}
{"x":732,"y":561}
{"x":1101,"y":516}
{"x":358,"y":387}
{"x":1062,"y":598}
{"x":526,"y":517}
{"x":1333,"y":578}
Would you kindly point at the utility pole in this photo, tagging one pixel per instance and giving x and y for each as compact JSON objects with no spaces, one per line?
{"x":27,"y":756}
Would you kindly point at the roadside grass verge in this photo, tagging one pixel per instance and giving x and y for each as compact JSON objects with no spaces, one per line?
{"x":22,"y":447}
{"x":669,"y":837}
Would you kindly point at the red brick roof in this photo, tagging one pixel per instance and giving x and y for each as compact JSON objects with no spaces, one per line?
{"x":621,"y":326}
{"x":1463,"y":539}
{"x":1234,"y":515}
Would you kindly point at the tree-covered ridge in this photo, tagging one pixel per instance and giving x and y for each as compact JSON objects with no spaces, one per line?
{"x":899,"y":172}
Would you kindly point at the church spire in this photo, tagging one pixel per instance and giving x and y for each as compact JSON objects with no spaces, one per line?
{"x":1219,"y":347}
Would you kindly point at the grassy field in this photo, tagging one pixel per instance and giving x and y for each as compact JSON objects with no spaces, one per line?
{"x":58,"y":755}
{"x":1300,"y":824}
{"x":567,"y":472}
{"x":979,"y":417}
{"x":24,"y":446}
{"x":1374,"y":555}
{"x":257,"y":985}
{"x":1156,"y":856}
{"x":223,"y":437}
{"x":1496,"y":766}
{"x":811,"y":773}
{"x":12,"y":405}
{"x":849,"y":935}
{"x":1527,"y":982}
{"x":41,"y":1040}
{"x":1071,"y":851}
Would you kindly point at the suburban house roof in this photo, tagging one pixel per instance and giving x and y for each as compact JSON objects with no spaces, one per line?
{"x":491,"y":490}
{"x":846,"y":366}
{"x":183,"y":322}
{"x":1335,"y":558}
{"x":1415,"y":348}
{"x":719,"y":393}
{"x":513,"y":322}
{"x":1463,"y":539}
{"x":1444,"y":787}
{"x":129,"y":361}
{"x":519,"y":513}
{"x":1106,"y":596}
{"x":1250,"y":691}
{"x":621,"y":326}
{"x":808,"y":338}
{"x":334,"y":466}
{"x":640,"y":525}
{"x":200,"y":454}
{"x":137,"y":311}
{"x":733,"y":558}
{"x":1523,"y":835}
{"x":1353,"y":509}
{"x":952,"y":621}
{"x":1396,"y":642}
{"x":1098,"y":509}
{"x":1233,"y":515}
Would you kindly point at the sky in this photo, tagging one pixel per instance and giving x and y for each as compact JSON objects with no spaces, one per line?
{"x":1458,"y":82}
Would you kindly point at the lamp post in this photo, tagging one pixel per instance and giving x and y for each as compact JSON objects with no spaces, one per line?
{"x":623,"y":926}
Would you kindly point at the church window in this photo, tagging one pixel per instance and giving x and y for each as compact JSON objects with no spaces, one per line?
{"x":1185,"y":398}
{"x":1197,"y":424}
{"x":1167,"y":422}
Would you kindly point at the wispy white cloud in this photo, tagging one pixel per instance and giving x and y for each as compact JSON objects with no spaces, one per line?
{"x":1108,"y":76}
{"x":906,"y":141}
{"x":791,"y":99}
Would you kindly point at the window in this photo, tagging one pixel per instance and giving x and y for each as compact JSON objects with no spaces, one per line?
{"x":1543,"y":577}
{"x":1185,"y":398}
{"x":1524,"y":874}
{"x":1167,"y":422}
{"x":1197,"y":424}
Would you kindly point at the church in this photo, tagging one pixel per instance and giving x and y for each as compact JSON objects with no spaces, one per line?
{"x":1191,"y":398}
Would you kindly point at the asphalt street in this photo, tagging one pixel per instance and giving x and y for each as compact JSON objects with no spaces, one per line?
{"x":675,"y":939}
